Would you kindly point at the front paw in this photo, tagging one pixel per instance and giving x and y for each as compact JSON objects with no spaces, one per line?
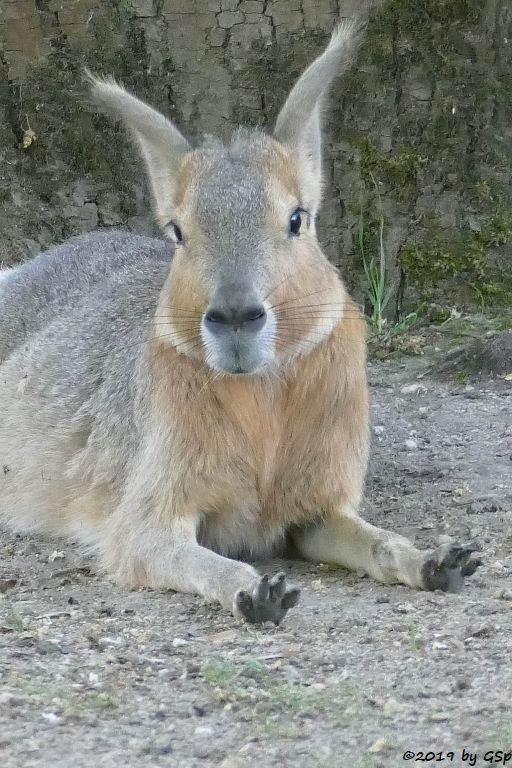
{"x":446,"y":566}
{"x":269,"y":600}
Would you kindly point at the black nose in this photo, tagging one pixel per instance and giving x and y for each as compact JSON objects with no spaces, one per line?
{"x":248,"y":318}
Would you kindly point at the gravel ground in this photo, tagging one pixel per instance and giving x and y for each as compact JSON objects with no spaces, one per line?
{"x":91,"y":675}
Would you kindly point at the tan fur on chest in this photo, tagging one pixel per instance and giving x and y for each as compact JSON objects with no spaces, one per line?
{"x":266,"y":450}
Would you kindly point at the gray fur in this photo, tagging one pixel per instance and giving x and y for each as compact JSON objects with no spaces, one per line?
{"x":73,"y":325}
{"x":56,"y":281}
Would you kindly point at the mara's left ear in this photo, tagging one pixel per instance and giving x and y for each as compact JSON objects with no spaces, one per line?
{"x":298,"y":125}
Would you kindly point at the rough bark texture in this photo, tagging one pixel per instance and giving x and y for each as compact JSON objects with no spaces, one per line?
{"x":419,"y":135}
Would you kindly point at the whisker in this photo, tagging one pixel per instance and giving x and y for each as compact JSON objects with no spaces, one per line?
{"x":146,"y":341}
{"x":273,"y":290}
{"x":181,"y":326}
{"x":337,"y":304}
{"x":181,"y":315}
{"x":210,"y":379}
{"x":313,"y":316}
{"x":299,"y":298}
{"x":287,"y":338}
{"x":180,"y":310}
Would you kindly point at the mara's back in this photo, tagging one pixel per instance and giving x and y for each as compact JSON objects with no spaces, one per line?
{"x":57,"y":281}
{"x":73,"y":324}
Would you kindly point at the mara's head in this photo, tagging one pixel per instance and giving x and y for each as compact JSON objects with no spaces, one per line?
{"x":249,"y":288}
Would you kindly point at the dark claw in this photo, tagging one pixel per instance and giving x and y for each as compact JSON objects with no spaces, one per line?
{"x":269,"y":601}
{"x":446,"y":567}
{"x":280,"y":585}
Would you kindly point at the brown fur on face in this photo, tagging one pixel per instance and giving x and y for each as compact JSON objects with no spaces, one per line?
{"x":299,"y":285}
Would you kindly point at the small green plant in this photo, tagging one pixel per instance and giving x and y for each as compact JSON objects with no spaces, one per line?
{"x":378,"y":290}
{"x":461,"y":377}
{"x":404,"y":324}
{"x":219,"y":673}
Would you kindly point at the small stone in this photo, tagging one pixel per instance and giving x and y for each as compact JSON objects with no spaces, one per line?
{"x":379,"y":429}
{"x":503,"y":594}
{"x":56,"y":555}
{"x":231,"y":762}
{"x":10,"y":698}
{"x":203,"y":731}
{"x":439,"y":717}
{"x":178,"y":642}
{"x":412,"y":389}
{"x":411,"y":444}
{"x":107,"y":641}
{"x":404,"y":608}
{"x":391,"y":707}
{"x":52,"y":717}
{"x":379,"y":746}
{"x":483,"y":631}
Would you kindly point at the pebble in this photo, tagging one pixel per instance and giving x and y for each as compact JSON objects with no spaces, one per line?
{"x":178,"y":642}
{"x":391,"y":707}
{"x":411,"y":444}
{"x":231,"y":762}
{"x":379,"y":746}
{"x":404,"y":608}
{"x":56,"y":555}
{"x":497,"y":567}
{"x":503,"y":594}
{"x":52,"y":717}
{"x":411,"y":389}
{"x":203,"y":731}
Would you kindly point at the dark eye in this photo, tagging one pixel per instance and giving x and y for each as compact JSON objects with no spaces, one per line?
{"x":172,"y":228}
{"x":295,"y":222}
{"x":177,"y":233}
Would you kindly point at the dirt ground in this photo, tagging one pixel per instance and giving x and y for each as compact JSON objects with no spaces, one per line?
{"x":91,"y":675}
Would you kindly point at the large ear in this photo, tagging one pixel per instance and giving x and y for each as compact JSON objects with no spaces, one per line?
{"x":161,"y":144}
{"x":298,"y":125}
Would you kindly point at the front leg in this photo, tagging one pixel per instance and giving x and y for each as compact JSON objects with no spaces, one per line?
{"x":170,"y":558}
{"x":351,"y":542}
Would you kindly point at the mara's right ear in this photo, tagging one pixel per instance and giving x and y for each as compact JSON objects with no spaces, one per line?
{"x":161,"y":144}
{"x":298,"y":125}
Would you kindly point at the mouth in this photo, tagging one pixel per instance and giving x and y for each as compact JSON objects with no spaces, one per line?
{"x":239,"y":367}
{"x":238,"y":352}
